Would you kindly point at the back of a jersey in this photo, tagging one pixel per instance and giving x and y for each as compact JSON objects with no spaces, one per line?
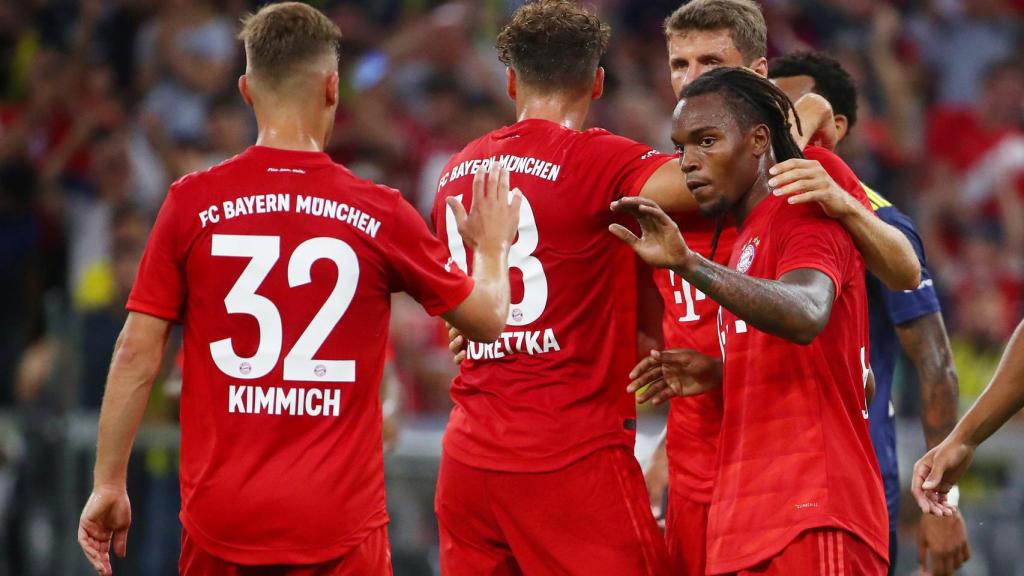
{"x":280,"y":265}
{"x":552,"y":388}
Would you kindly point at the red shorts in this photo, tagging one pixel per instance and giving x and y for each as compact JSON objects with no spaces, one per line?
{"x":822,"y":552}
{"x":371,"y":558}
{"x":686,"y":533}
{"x":590,"y":518}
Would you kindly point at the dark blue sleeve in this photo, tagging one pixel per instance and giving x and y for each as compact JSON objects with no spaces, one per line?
{"x":906,"y":305}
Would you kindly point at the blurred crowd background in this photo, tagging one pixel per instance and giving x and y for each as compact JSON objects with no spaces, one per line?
{"x":103,"y":103}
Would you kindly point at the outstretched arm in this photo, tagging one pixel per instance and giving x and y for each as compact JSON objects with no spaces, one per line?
{"x":939,"y":469}
{"x":107,"y":514}
{"x":667,"y":188}
{"x":796,"y":307}
{"x":942,"y":542}
{"x":488,"y":231}
{"x":886,"y":251}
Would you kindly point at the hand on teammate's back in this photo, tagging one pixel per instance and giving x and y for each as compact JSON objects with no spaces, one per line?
{"x":494,"y":215}
{"x":669,"y":373}
{"x":456,"y":343}
{"x":661,"y":245}
{"x":807,"y":181}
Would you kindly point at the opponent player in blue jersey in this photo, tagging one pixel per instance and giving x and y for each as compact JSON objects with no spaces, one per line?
{"x":911,"y":318}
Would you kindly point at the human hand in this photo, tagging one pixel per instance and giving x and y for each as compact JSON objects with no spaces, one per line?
{"x":942,"y":545}
{"x":456,"y":343}
{"x":493,"y":220}
{"x":937,"y":472}
{"x":105,"y":520}
{"x":669,"y":373}
{"x":807,"y":181}
{"x":660,"y":245}
{"x":817,"y":121}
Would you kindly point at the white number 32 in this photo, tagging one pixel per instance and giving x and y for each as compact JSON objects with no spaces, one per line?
{"x":299,"y":364}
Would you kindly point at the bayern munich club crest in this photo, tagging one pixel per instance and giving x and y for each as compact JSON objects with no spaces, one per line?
{"x":747,"y":255}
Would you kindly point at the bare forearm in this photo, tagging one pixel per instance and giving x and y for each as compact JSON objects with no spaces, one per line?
{"x":925,"y":342}
{"x":1003,"y":398}
{"x":481,"y":317}
{"x":132,"y":371}
{"x":490,"y":272}
{"x":886,"y":251}
{"x":785,"y":310}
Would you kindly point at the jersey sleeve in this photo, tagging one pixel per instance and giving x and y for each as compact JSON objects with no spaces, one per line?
{"x":159,"y":288}
{"x":839,"y":171}
{"x":810,"y":239}
{"x":906,"y":305}
{"x":626,"y":164}
{"x":420,"y":264}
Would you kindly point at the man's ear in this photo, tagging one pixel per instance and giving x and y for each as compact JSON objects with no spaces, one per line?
{"x":597,"y":90}
{"x":760,"y":140}
{"x":243,"y":87}
{"x":331,"y":89}
{"x":760,"y":67}
{"x":510,"y":79}
{"x":842,"y":126}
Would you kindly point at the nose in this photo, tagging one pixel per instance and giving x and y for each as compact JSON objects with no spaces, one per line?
{"x":693,"y":72}
{"x":688,"y":161}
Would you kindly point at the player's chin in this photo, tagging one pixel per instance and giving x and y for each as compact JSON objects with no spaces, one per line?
{"x":711,"y":207}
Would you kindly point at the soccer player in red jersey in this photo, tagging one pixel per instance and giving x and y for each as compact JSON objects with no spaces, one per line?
{"x":703,"y":35}
{"x":280,"y":265}
{"x":797,"y":489}
{"x":538,"y":474}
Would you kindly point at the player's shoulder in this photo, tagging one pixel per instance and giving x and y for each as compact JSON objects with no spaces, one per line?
{"x":789,"y":218}
{"x":603,"y":136}
{"x":199,"y":178}
{"x":829,"y":159}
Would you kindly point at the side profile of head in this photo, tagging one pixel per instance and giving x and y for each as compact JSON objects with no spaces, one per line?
{"x":802,"y":73}
{"x":706,"y":34}
{"x":730,"y":126}
{"x":291,"y":54}
{"x":554,"y":46}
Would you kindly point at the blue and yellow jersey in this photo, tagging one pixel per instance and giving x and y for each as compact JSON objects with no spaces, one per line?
{"x":886,"y":310}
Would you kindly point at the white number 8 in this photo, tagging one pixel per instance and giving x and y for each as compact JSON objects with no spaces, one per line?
{"x":535,"y":282}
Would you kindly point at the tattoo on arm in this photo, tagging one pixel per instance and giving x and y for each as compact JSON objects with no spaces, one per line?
{"x":795,"y":307}
{"x":926,"y":344}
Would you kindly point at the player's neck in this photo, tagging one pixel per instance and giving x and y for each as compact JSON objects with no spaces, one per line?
{"x":561,"y":109}
{"x":290,"y":131}
{"x":746,"y":204}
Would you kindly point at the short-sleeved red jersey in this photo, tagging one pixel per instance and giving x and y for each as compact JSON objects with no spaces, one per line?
{"x":691,"y":321}
{"x":280,"y":265}
{"x":794,"y":451}
{"x":552,"y":388}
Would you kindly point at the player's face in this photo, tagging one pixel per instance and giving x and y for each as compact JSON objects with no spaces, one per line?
{"x":694,"y":52}
{"x":716,"y":156}
{"x":795,"y":87}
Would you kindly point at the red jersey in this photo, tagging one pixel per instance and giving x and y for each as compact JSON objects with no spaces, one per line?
{"x":280,"y":265}
{"x":691,"y":321}
{"x":552,"y":389}
{"x":794,"y":451}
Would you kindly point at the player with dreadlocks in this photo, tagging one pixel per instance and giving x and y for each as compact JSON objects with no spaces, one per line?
{"x":797,"y":489}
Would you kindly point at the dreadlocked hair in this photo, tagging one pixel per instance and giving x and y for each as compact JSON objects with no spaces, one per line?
{"x":752,"y":100}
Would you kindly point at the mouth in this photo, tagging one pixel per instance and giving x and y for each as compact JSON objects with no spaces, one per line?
{"x":698,"y":188}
